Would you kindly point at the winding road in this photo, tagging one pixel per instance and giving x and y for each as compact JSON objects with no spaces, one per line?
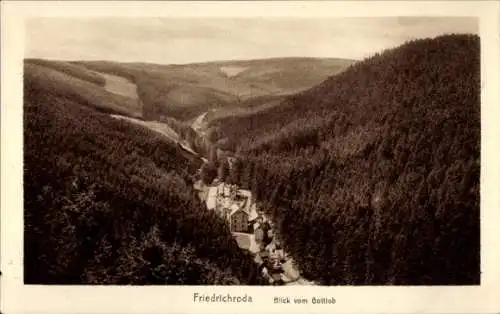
{"x":290,"y":269}
{"x":122,"y":86}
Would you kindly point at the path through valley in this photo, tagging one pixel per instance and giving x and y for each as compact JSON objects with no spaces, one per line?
{"x":122,"y":86}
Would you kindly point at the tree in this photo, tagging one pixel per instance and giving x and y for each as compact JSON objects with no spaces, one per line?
{"x":235,"y":171}
{"x":208,"y":173}
{"x":223,"y":170}
{"x":212,"y":156}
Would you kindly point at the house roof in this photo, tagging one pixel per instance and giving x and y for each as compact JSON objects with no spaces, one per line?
{"x":235,"y":209}
{"x":225,"y":195}
{"x":245,"y":193}
{"x":225,"y":188}
{"x":252,"y":215}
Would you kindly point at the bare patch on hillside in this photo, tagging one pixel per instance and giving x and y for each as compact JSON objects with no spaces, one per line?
{"x":161,"y":128}
{"x":80,"y":90}
{"x":158,"y":127}
{"x":119,"y":85}
{"x":231,"y":71}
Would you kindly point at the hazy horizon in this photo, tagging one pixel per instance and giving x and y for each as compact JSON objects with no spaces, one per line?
{"x":189,"y":40}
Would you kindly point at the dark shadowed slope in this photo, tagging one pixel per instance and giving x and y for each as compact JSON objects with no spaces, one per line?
{"x":373,"y":175}
{"x":107,"y":202}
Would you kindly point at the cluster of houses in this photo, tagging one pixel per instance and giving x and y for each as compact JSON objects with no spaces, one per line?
{"x":233,"y":204}
{"x":252,"y":230}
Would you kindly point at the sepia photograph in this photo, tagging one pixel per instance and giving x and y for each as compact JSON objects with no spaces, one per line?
{"x":252,"y":151}
{"x":340,"y":151}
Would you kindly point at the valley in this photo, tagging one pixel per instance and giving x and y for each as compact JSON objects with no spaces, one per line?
{"x":276,"y":268}
{"x":364,"y":173}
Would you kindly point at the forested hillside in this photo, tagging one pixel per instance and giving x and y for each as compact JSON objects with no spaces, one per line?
{"x":373,"y":175}
{"x":107,"y":202}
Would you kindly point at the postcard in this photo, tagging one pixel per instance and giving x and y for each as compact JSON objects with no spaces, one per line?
{"x":250,"y":157}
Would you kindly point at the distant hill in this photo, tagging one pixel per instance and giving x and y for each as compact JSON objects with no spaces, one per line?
{"x":77,"y":82}
{"x":186,"y":91}
{"x":109,"y":202}
{"x":70,"y":69}
{"x":276,"y":75}
{"x":373,"y":175}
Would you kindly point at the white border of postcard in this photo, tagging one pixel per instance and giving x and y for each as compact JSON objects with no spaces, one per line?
{"x":19,"y":298}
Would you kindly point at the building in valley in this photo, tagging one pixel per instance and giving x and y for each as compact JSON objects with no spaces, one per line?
{"x":233,"y":204}
{"x":238,"y":219}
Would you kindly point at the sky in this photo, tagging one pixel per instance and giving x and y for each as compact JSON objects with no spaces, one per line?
{"x":186,"y":40}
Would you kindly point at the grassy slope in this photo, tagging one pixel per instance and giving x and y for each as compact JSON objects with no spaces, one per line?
{"x":70,"y":69}
{"x":119,"y":85}
{"x":115,"y":68}
{"x":374,"y":174}
{"x":69,"y":84}
{"x":107,"y":202}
